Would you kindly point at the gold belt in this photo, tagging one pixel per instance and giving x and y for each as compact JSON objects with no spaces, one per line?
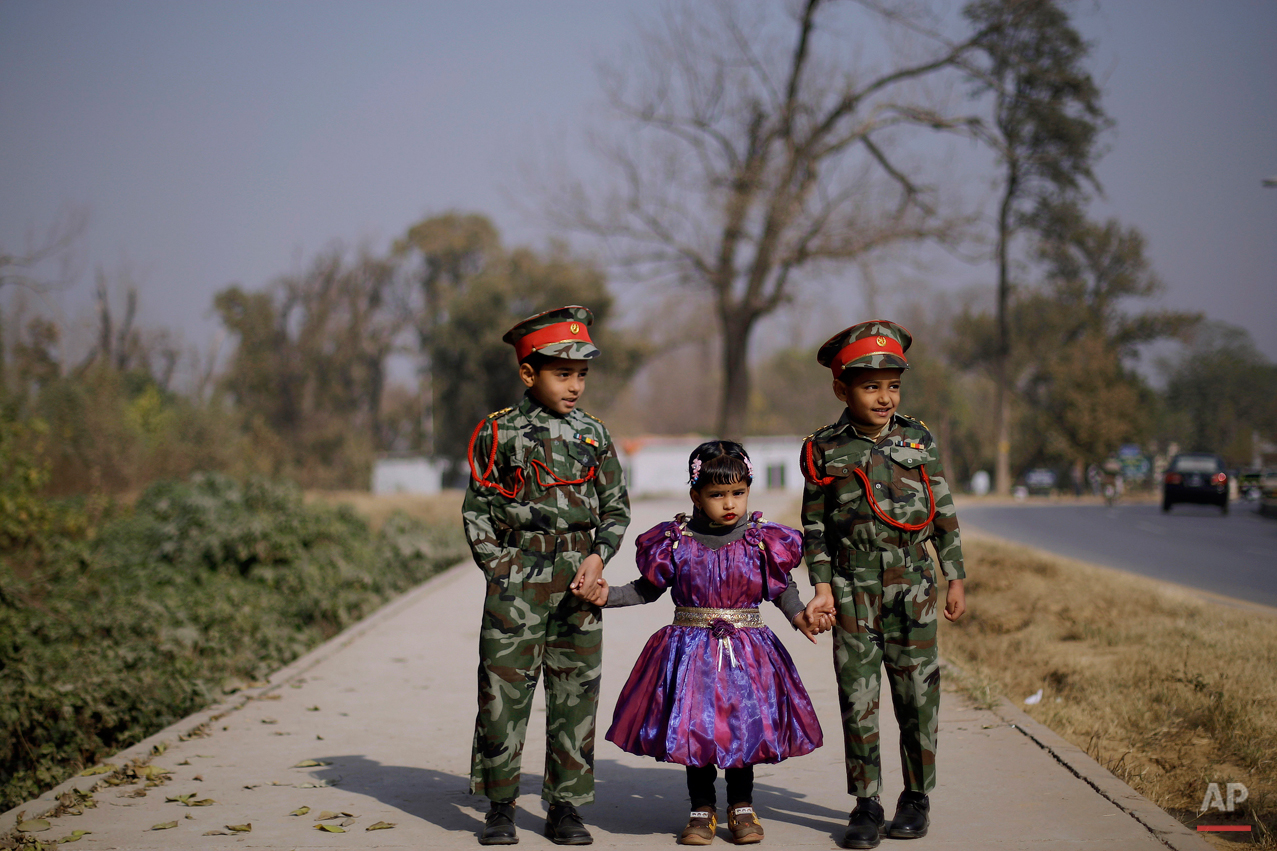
{"x":694,"y":616}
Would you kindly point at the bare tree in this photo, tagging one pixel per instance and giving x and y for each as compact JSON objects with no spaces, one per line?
{"x":754,"y":153}
{"x":27,"y":269}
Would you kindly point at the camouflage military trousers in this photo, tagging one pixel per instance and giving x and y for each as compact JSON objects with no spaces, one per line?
{"x":532,"y":623}
{"x":887,"y":617}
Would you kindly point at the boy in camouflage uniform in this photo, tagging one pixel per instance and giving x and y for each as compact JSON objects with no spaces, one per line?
{"x":545,"y":509}
{"x":875,"y":495}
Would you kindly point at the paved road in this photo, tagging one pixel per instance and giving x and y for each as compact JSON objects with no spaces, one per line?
{"x":1233,"y":555}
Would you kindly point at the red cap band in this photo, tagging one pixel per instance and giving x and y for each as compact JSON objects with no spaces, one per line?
{"x":877,"y":345}
{"x":560,"y":332}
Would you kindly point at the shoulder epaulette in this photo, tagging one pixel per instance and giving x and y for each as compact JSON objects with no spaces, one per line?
{"x":912,"y":420}
{"x":596,"y":419}
{"x":818,"y":431}
{"x":495,"y":414}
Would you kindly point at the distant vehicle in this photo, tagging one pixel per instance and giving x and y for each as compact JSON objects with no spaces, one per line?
{"x":1195,"y":477}
{"x":1040,"y":480}
{"x":1250,"y":484}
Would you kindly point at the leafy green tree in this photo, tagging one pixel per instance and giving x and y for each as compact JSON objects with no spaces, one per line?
{"x":310,"y":365}
{"x":1045,"y":123}
{"x":473,"y":373}
{"x":1075,"y":338}
{"x":1220,"y":393}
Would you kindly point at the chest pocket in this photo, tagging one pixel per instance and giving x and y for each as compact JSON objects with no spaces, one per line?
{"x":571,"y":462}
{"x":898,"y":488}
{"x":840,"y":467}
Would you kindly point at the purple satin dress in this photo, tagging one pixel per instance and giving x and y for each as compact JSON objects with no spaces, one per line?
{"x":680,"y":703}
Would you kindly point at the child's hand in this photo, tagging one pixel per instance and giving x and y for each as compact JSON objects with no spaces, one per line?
{"x":588,"y":583}
{"x":807,"y":627}
{"x":821,"y":609}
{"x":955,"y":600}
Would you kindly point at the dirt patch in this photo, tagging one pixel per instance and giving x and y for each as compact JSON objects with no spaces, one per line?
{"x":1168,"y":691}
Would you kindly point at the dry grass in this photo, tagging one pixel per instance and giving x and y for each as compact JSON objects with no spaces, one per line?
{"x":438,"y":509}
{"x":1168,"y":691}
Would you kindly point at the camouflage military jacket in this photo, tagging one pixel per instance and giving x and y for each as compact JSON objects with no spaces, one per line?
{"x":866,"y":500}
{"x":550,"y":474}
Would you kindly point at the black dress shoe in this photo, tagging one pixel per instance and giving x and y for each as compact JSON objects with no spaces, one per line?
{"x":864,"y":829}
{"x":911,"y":819}
{"x":563,"y":826}
{"x":498,"y":825}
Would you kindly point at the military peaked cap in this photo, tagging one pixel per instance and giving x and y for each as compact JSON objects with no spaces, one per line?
{"x":559,"y":333}
{"x":877,"y":344}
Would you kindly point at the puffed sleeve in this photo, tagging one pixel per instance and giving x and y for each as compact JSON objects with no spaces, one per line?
{"x":655,"y":556}
{"x":782,"y":549}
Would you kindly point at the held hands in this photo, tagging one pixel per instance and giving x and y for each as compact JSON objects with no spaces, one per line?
{"x":589,"y":584}
{"x":820,"y":614}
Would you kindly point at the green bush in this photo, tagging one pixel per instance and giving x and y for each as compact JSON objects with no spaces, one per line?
{"x":204,"y":583}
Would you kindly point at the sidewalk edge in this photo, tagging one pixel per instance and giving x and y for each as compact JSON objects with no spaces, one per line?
{"x":1163,"y":826}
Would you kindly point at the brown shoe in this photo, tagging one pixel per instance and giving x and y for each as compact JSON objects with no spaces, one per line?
{"x":700,"y":828}
{"x":744,"y":824}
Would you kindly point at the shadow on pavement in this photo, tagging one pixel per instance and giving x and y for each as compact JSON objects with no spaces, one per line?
{"x":653,"y":801}
{"x":433,"y":796}
{"x":647,"y":801}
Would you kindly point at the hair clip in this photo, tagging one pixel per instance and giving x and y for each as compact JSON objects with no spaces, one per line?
{"x":749,"y":467}
{"x":696,"y":470}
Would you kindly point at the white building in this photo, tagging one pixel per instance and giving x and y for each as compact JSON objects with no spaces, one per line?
{"x":407,"y":474}
{"x":657,"y":466}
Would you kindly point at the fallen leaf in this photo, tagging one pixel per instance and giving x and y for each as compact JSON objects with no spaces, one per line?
{"x":240,"y":828}
{"x":270,"y":721}
{"x":312,"y":708}
{"x":300,"y":811}
{"x":151,"y":771}
{"x":252,"y":785}
{"x":318,"y":737}
{"x":191,"y":817}
{"x":311,"y":763}
{"x":164,"y":825}
{"x":75,"y":836}
{"x":180,"y":799}
{"x":381,"y":825}
{"x":347,"y":822}
{"x":326,"y":814}
{"x":320,"y":785}
{"x":97,"y":769}
{"x":185,"y":762}
{"x":330,"y":828}
{"x":215,"y":833}
{"x":159,"y":749}
{"x":35,"y":825}
{"x":199,"y":777}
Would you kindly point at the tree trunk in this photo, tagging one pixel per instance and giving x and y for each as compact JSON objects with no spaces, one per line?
{"x":1002,"y":411}
{"x":733,"y":407}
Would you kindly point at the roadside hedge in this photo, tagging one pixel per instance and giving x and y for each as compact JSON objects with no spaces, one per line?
{"x":204,"y":586}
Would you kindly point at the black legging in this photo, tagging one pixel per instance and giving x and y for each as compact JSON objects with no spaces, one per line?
{"x":700,"y":785}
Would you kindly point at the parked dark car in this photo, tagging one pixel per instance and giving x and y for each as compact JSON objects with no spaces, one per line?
{"x":1195,"y":477}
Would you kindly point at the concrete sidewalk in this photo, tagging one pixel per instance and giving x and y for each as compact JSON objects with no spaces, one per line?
{"x":388,"y":707}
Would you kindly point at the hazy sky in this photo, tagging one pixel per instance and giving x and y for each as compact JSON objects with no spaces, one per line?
{"x":227,"y":142}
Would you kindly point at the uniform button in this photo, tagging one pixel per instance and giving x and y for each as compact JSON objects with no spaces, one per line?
{"x":878,"y":486}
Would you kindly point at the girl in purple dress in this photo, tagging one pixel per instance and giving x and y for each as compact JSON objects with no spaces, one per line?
{"x":717,"y":689}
